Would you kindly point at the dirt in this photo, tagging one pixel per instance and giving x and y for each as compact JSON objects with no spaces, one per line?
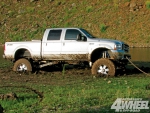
{"x":10,"y":96}
{"x":56,"y":76}
{"x":51,"y":76}
{"x":1,"y":109}
{"x":126,"y":20}
{"x":43,"y":77}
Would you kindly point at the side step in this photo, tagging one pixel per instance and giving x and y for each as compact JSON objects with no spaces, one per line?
{"x":47,"y":64}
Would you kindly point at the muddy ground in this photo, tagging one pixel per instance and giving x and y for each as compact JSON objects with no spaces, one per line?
{"x":53,"y":75}
{"x":56,"y":76}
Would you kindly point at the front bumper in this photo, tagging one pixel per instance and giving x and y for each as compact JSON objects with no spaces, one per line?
{"x":120,"y":55}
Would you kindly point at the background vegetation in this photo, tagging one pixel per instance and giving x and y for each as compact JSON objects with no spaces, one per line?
{"x":126,"y":20}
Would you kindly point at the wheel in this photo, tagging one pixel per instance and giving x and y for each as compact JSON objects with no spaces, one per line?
{"x":22,"y":65}
{"x":103,"y":67}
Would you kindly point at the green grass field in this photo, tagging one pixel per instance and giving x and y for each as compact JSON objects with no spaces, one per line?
{"x":72,"y":93}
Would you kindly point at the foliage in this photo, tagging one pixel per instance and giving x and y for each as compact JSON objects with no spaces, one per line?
{"x":103,"y":28}
{"x":89,"y":9}
{"x":30,"y":9}
{"x":6,"y":64}
{"x":147,"y":4}
{"x":57,"y":13}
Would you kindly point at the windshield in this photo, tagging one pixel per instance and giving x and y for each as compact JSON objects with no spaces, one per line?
{"x":87,"y":33}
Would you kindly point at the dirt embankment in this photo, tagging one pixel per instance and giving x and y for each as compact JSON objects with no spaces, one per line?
{"x":126,"y":20}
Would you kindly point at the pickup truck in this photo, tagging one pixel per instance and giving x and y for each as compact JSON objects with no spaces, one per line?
{"x":68,"y":45}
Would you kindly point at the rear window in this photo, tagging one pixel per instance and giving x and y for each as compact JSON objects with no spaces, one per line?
{"x":54,"y":35}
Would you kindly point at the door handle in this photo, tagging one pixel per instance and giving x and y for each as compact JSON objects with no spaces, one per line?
{"x":63,"y":44}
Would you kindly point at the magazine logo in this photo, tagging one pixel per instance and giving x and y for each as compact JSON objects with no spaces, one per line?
{"x":129,"y":105}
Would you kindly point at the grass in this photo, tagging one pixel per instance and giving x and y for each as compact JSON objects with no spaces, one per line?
{"x":25,"y":101}
{"x":147,"y":4}
{"x":56,"y":13}
{"x":80,"y":95}
{"x":30,"y":9}
{"x":6,"y":64}
{"x":103,"y":28}
{"x":63,"y":71}
{"x":89,"y":9}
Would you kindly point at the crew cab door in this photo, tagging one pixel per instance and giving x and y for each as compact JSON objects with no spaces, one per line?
{"x":52,"y":45}
{"x":72,"y":49}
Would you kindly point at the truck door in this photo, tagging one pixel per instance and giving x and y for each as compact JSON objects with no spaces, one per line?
{"x":52,"y":46}
{"x":72,"y":49}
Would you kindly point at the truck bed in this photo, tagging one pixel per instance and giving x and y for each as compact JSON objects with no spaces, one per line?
{"x":34,"y":47}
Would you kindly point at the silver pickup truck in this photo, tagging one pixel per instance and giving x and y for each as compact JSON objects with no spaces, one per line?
{"x":61,"y":45}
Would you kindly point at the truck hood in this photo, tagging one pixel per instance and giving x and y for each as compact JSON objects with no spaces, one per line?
{"x":104,"y":40}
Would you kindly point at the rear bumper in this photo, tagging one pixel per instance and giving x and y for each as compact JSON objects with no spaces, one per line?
{"x":4,"y":56}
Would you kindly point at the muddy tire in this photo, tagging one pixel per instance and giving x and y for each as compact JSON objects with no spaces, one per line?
{"x":22,"y":65}
{"x":103,"y":67}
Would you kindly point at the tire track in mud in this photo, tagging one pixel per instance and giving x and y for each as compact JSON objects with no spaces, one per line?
{"x":40,"y":94}
{"x":13,"y":96}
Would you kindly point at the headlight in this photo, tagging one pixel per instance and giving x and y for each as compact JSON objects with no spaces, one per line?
{"x":118,"y":47}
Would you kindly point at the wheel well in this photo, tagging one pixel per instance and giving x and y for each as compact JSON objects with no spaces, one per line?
{"x":100,"y":53}
{"x":22,"y":53}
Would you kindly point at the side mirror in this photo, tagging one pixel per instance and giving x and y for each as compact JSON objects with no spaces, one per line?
{"x":81,"y":38}
{"x":78,"y":37}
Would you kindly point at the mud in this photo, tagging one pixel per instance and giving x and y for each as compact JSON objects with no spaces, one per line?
{"x":10,"y":96}
{"x":76,"y":57}
{"x":1,"y":109}
{"x":52,"y":74}
{"x":49,"y":75}
{"x":13,"y":96}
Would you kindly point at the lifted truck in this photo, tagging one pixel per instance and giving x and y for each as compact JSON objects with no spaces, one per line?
{"x":60,"y":45}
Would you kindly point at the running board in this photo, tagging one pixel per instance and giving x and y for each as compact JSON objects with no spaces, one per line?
{"x":47,"y":64}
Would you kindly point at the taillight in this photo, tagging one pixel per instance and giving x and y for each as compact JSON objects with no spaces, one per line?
{"x":4,"y":47}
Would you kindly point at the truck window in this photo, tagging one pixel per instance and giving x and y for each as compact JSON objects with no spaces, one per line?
{"x":71,"y":34}
{"x":54,"y":35}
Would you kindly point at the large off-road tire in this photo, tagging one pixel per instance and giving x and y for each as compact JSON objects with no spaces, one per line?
{"x":103,"y":67}
{"x":22,"y":65}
